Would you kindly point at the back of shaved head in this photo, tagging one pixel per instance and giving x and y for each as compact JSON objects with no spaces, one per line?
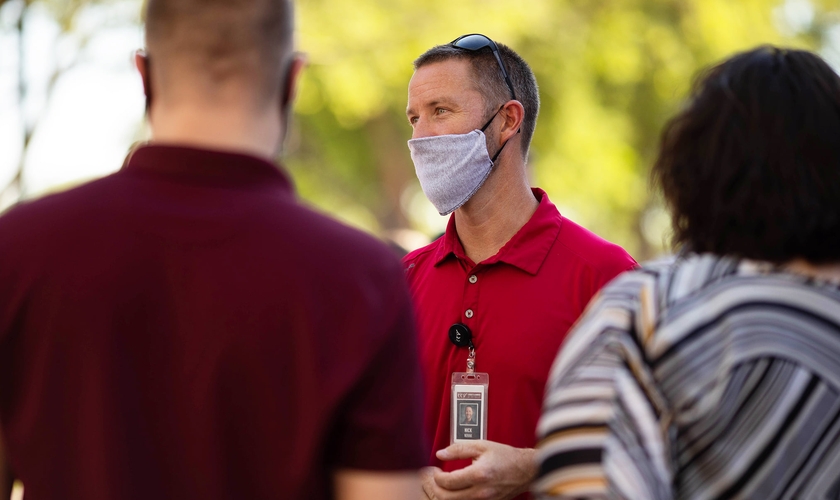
{"x":219,"y":41}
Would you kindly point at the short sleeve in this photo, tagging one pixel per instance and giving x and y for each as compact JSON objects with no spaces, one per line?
{"x":381,"y":427}
{"x":604,"y":431}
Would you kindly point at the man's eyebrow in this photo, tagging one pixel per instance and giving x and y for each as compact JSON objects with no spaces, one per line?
{"x":442,"y":100}
{"x":432,"y":104}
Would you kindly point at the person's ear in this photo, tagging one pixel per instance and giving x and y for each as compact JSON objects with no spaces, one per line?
{"x":292,"y":78}
{"x":514,"y":115}
{"x":141,"y":62}
{"x":288,"y":93}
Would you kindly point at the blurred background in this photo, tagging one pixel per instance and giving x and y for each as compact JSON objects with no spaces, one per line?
{"x":610,"y":73}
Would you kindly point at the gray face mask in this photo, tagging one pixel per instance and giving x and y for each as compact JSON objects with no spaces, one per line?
{"x":451,"y":168}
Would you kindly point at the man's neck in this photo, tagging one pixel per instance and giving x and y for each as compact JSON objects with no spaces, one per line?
{"x":494,"y":215}
{"x":230,"y":129}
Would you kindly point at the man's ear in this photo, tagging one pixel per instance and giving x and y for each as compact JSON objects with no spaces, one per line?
{"x":514,"y":114}
{"x":141,"y":62}
{"x":293,"y":77}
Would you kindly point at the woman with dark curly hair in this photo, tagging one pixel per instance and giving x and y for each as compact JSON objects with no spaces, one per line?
{"x":716,"y":373}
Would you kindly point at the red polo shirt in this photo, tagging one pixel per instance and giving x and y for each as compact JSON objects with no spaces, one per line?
{"x":519,"y":305}
{"x":185,"y":328}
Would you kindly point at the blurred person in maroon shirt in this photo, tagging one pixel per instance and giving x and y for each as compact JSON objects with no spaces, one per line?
{"x":185,"y":328}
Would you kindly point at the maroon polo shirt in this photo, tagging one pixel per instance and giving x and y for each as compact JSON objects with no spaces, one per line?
{"x":519,"y":305}
{"x":185,"y":328}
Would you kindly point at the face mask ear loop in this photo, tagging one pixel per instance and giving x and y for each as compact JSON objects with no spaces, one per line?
{"x":491,"y":118}
{"x":499,"y":152}
{"x":493,"y":160}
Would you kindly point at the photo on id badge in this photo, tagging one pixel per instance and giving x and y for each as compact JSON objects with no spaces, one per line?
{"x":469,"y":408}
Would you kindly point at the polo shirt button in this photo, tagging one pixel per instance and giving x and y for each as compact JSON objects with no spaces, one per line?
{"x":468,"y":313}
{"x":473,"y":278}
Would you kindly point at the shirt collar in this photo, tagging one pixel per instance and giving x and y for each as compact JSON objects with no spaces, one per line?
{"x":527,"y":249}
{"x":205,"y":167}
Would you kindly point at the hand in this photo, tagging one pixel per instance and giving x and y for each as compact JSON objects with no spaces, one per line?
{"x":498,"y":472}
{"x":427,"y":479}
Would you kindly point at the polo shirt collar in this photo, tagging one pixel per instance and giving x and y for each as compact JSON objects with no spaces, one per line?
{"x":527,"y":249}
{"x":205,"y":167}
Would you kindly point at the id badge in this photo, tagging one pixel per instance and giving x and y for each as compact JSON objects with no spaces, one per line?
{"x":469,"y":406}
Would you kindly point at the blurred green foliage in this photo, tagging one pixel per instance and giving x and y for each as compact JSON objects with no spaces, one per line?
{"x":610,"y":72}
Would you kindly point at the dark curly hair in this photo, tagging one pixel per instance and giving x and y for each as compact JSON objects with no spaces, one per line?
{"x":751,"y":167}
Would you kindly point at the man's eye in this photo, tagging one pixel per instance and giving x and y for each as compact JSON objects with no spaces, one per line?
{"x":412,"y":120}
{"x":440,"y":111}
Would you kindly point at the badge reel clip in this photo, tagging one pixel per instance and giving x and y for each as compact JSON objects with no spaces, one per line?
{"x":469,"y":393}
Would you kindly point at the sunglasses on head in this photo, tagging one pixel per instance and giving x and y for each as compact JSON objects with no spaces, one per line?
{"x":477,"y":41}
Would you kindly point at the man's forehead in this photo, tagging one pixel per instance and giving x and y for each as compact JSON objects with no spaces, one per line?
{"x":444,"y":82}
{"x":442,"y":71}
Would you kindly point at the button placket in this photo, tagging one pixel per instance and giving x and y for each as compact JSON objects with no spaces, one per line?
{"x":471,"y":292}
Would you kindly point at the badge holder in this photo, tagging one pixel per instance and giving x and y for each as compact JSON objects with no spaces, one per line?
{"x":468,"y":408}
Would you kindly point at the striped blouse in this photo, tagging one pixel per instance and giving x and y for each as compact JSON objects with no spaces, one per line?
{"x":697,"y":377}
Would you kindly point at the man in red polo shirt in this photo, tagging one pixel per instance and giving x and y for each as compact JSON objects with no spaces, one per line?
{"x":185,"y":328}
{"x":498,"y":291}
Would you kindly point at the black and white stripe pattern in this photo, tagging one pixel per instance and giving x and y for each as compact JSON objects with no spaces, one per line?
{"x":701,"y":377}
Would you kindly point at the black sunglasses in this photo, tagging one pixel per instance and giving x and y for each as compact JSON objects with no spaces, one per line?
{"x":477,"y":41}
